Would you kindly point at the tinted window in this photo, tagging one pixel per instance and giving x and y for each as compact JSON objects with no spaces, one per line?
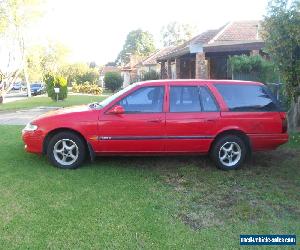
{"x":184,"y":99}
{"x":144,"y":100}
{"x":208,"y":102}
{"x":246,"y":97}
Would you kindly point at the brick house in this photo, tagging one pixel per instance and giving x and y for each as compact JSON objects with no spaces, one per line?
{"x":206,"y":55}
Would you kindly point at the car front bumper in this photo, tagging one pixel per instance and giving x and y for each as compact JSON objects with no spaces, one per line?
{"x":33,"y":141}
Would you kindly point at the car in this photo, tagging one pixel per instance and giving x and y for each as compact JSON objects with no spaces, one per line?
{"x":37,"y":88}
{"x":17,"y":86}
{"x":225,"y":119}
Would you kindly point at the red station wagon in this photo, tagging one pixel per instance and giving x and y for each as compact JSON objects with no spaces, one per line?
{"x":226,"y":119}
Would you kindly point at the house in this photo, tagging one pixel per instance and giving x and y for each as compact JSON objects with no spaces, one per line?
{"x":150,"y":63}
{"x":105,"y":70}
{"x":129,"y":71}
{"x":138,"y":66}
{"x":206,"y":55}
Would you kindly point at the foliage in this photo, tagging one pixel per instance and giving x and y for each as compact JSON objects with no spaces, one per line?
{"x":150,"y":75}
{"x":281,"y":27}
{"x":138,"y":42}
{"x":79,"y":73}
{"x":175,"y":33}
{"x":53,"y":81}
{"x":16,"y":16}
{"x":91,"y":76}
{"x":113,"y":81}
{"x":54,"y":57}
{"x":260,"y":68}
{"x":87,"y":88}
{"x":92,"y":65}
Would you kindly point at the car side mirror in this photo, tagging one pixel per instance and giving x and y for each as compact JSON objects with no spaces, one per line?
{"x":117,"y":110}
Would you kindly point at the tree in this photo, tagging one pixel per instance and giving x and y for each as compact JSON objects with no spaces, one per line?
{"x":281,"y":27}
{"x":282,"y":34}
{"x":15,"y":17}
{"x":79,"y":73}
{"x":175,"y":33}
{"x":113,"y":81}
{"x":73,"y":72}
{"x":93,"y":65}
{"x":138,"y":42}
{"x":54,"y":57}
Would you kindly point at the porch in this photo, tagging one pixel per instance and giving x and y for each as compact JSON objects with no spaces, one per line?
{"x":206,"y":65}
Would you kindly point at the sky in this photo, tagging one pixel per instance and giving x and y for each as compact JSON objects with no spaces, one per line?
{"x":96,"y":30}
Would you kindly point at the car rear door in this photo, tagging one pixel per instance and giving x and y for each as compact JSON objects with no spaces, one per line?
{"x":140,"y":129}
{"x":252,"y":109}
{"x":191,"y":118}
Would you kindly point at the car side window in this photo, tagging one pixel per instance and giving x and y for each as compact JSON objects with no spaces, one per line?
{"x":144,"y":100}
{"x":208,"y":101}
{"x":185,"y":99}
{"x":247,"y":98}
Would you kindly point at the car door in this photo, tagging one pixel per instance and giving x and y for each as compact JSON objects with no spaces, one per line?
{"x":191,"y":118}
{"x":140,"y":129}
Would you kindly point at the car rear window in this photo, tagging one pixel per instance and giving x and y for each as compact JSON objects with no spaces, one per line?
{"x":247,"y":98}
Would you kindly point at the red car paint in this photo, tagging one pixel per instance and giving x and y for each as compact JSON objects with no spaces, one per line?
{"x":159,"y":133}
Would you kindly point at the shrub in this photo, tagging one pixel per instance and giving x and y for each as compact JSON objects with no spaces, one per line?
{"x":253,"y":68}
{"x":87,"y":88}
{"x":53,"y":81}
{"x":113,"y":81}
{"x":150,"y":75}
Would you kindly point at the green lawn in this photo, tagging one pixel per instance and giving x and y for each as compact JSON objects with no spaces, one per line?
{"x":144,"y":203}
{"x":46,"y":101}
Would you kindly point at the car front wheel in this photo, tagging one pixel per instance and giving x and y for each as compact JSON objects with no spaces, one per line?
{"x":66,"y":150}
{"x":229,"y":152}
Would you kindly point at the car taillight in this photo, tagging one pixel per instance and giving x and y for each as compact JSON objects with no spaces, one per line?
{"x":284,"y":122}
{"x":284,"y":125}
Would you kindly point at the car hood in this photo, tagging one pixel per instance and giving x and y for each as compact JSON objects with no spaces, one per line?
{"x":68,"y":110}
{"x":64,"y":113}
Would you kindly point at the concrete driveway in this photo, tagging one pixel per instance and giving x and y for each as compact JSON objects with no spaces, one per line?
{"x":22,"y":117}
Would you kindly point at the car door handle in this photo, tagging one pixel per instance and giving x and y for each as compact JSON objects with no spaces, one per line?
{"x":210,"y":120}
{"x":155,"y":121}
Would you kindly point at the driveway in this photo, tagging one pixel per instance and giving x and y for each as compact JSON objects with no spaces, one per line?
{"x":22,"y":117}
{"x":15,"y":96}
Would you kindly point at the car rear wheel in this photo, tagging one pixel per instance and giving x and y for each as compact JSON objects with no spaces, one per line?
{"x":66,"y":150}
{"x":229,"y":152}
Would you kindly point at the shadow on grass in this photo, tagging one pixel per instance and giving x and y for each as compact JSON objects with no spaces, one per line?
{"x":262,"y":191}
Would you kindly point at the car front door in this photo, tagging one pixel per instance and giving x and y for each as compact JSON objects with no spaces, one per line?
{"x":140,"y":128}
{"x":191,"y":119}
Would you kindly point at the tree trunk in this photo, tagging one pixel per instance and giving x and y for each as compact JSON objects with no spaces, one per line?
{"x":294,"y":116}
{"x":27,"y":81}
{"x":1,"y":99}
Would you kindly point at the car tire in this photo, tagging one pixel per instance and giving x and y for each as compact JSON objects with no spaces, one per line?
{"x":66,"y":150}
{"x":229,"y":152}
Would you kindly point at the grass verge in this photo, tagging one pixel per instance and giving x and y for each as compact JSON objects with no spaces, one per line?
{"x":46,"y":101}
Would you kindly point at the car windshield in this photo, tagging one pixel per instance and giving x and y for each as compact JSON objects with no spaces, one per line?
{"x":116,"y":95}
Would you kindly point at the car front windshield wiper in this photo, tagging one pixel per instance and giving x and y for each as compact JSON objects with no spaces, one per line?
{"x":95,"y":105}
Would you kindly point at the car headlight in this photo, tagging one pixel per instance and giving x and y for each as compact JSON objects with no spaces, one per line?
{"x":30,"y":127}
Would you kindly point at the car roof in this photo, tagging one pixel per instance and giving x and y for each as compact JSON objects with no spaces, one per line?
{"x":195,"y":81}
